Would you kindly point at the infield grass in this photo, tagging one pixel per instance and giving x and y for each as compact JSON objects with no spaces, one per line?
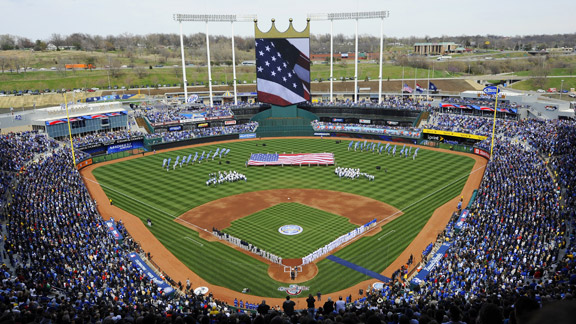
{"x":261,"y":229}
{"x":416,"y":187}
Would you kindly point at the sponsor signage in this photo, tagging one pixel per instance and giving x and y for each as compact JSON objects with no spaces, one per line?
{"x":337,"y":120}
{"x":113,"y":230}
{"x":321,"y":134}
{"x":84,"y":164}
{"x":294,"y":289}
{"x":247,"y":135}
{"x":175,"y":128}
{"x":202,"y":125}
{"x":124,"y":147}
{"x":461,"y":220}
{"x":491,"y":90}
{"x":230,"y":122}
{"x":455,"y":134}
{"x":142,"y":266}
{"x":431,"y":264}
{"x":481,"y":152}
{"x":364,"y":121}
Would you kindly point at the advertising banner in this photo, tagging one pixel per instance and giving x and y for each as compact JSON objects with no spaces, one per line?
{"x":431,"y":264}
{"x":113,"y":230}
{"x":453,"y":134}
{"x":142,"y":266}
{"x":247,"y":135}
{"x":481,"y":152}
{"x":461,"y":220}
{"x":124,"y":147}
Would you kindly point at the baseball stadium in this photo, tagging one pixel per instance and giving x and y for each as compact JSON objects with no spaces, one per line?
{"x":290,"y":205}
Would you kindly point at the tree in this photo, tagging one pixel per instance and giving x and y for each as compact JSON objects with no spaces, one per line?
{"x":141,"y":72}
{"x":91,"y":61}
{"x":40,"y":45}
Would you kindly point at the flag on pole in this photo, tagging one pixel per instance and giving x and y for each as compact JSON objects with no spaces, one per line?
{"x":432,"y":87}
{"x":406,"y":88}
{"x":419,"y":88}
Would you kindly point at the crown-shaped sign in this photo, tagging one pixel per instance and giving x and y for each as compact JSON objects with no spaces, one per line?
{"x":275,"y":33}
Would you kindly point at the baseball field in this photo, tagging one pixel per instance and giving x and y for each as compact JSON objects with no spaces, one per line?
{"x":184,"y":210}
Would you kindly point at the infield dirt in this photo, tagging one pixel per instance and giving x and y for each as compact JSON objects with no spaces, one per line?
{"x":314,"y":198}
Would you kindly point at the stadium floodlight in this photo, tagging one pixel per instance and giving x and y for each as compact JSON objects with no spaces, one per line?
{"x":353,"y":16}
{"x":210,"y":18}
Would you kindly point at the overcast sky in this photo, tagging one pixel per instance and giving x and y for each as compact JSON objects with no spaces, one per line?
{"x":38,"y":19}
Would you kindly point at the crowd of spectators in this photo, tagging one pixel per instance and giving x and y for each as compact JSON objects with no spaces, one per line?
{"x":366,"y":128}
{"x":468,"y":124}
{"x":162,"y":113}
{"x":105,"y":138}
{"x":60,"y":263}
{"x":485,"y":102}
{"x":204,"y":132}
{"x":513,"y":255}
{"x":389,"y":102}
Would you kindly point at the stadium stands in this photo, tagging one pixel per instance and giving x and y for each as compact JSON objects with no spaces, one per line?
{"x":514,"y":254}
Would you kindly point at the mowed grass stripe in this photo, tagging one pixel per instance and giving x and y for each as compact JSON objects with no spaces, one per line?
{"x":177,"y":191}
{"x":261,"y":229}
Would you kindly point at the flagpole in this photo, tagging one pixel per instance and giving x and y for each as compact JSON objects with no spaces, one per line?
{"x":209,"y":66}
{"x":402,"y":85}
{"x":183,"y":65}
{"x":381,"y":55}
{"x":356,"y":65}
{"x":69,"y":130}
{"x":428,"y":88}
{"x":494,"y":121}
{"x":234,"y":64}
{"x":331,"y":60}
{"x":414,"y":91}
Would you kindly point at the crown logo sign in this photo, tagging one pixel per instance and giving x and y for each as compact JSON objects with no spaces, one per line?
{"x":275,"y":33}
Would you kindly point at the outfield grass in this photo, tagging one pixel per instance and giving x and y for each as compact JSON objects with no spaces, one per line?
{"x":141,"y":187}
{"x":261,"y":229}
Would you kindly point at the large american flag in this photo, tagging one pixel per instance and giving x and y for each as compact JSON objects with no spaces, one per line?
{"x":291,"y":159}
{"x":283,"y":70}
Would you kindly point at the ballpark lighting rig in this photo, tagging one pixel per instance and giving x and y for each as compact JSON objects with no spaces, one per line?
{"x":353,"y":16}
{"x":210,"y":18}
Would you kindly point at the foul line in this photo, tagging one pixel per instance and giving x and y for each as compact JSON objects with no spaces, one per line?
{"x":145,"y":204}
{"x":193,"y":240}
{"x":392,"y":231}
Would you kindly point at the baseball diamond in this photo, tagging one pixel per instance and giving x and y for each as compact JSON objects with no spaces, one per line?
{"x":402,"y":199}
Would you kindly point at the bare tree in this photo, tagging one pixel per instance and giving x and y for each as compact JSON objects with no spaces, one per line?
{"x":115,"y":68}
{"x":141,"y":72}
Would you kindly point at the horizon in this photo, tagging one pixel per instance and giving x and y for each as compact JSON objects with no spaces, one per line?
{"x":407,"y":19}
